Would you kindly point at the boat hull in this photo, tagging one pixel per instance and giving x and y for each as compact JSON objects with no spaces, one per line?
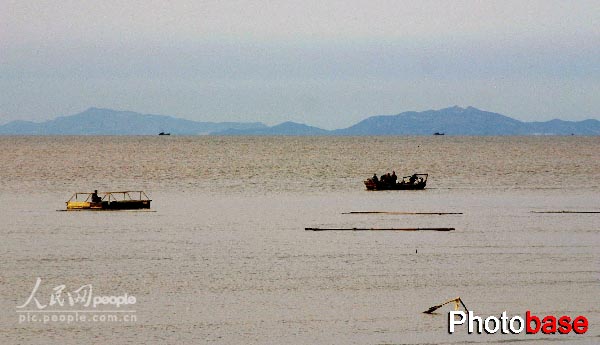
{"x":371,"y":185}
{"x":109,"y":205}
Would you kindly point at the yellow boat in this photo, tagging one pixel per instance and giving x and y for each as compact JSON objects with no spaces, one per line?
{"x":125,"y":200}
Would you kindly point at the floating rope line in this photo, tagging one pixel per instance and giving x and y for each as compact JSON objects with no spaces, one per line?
{"x":565,"y":211}
{"x":404,"y":213}
{"x":379,"y":229}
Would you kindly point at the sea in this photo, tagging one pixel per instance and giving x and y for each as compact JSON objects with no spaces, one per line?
{"x":223,"y":256}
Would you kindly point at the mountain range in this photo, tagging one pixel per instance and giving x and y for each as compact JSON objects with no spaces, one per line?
{"x":465,"y":121}
{"x":450,"y":121}
{"x":97,"y":121}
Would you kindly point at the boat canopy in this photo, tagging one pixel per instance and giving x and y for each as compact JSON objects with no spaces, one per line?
{"x":111,"y":196}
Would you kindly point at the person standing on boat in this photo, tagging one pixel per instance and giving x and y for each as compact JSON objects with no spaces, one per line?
{"x":95,"y":197}
{"x":394,"y":178}
{"x":375,"y":179}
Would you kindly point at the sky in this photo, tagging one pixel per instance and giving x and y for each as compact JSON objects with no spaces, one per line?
{"x":324,"y":63}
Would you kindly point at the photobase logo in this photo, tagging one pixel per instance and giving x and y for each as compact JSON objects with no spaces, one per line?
{"x":532,"y":324}
{"x":79,"y":305}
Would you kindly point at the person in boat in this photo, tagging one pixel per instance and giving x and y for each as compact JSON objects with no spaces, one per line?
{"x":383,"y":178}
{"x":413,"y":178}
{"x":95,"y":197}
{"x":375,"y":179}
{"x":394,"y":178}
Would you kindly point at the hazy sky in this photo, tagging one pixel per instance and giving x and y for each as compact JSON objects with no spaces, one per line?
{"x":325,"y":63}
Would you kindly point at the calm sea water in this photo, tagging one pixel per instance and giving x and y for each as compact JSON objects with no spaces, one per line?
{"x":225,"y":258}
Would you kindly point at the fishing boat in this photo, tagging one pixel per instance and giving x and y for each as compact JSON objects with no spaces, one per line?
{"x":412,"y":182}
{"x":163,"y":133}
{"x":104,"y":201}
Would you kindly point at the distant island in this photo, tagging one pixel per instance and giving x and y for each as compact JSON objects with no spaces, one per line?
{"x":98,"y":121}
{"x":450,"y":121}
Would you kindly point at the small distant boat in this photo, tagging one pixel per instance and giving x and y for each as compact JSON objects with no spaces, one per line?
{"x":126,"y":200}
{"x":163,"y":133}
{"x":412,"y":182}
{"x":439,"y":133}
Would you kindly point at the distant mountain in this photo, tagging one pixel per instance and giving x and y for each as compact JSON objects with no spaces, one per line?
{"x":464,"y":121}
{"x":560,"y":127}
{"x":95,"y":121}
{"x":286,"y":128}
{"x":451,"y":121}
